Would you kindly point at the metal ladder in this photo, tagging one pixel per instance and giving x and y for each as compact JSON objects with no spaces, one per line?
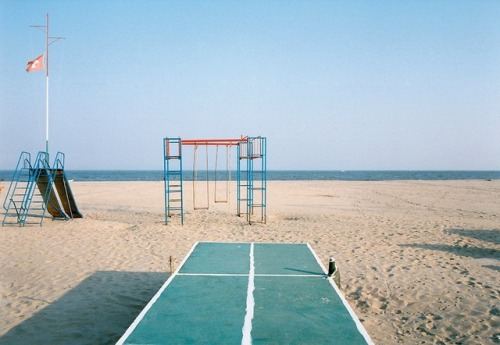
{"x":172,"y":176}
{"x":252,"y":179}
{"x":22,"y":200}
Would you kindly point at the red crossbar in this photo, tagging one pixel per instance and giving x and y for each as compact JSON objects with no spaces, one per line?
{"x":214,"y":142}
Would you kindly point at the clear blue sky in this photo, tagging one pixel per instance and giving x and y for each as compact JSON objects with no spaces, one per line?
{"x":332,"y":84}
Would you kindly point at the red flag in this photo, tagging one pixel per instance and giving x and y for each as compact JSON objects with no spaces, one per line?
{"x":35,"y":65}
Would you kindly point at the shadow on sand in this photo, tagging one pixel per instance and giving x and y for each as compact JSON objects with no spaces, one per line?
{"x":97,"y":311}
{"x":492,"y":236}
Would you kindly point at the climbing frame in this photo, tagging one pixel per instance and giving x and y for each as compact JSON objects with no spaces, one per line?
{"x":251,"y":175}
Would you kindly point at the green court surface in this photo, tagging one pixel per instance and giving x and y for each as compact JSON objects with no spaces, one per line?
{"x":248,"y":293}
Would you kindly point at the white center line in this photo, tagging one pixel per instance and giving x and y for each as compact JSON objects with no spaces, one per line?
{"x":247,"y":326}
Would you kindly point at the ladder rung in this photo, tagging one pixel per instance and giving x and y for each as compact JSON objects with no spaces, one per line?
{"x":35,"y":215}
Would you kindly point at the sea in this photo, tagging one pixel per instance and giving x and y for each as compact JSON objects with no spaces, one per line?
{"x":281,"y":175}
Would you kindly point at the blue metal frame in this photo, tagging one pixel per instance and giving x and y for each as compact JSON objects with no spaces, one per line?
{"x":21,"y":193}
{"x":32,"y":191}
{"x":172,"y":185}
{"x":252,"y":178}
{"x":251,"y":182}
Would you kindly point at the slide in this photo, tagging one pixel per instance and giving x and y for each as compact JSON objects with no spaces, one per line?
{"x":65,"y":194}
{"x":53,"y":206}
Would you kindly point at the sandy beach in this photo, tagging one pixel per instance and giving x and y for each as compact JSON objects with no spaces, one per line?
{"x":419,"y":260}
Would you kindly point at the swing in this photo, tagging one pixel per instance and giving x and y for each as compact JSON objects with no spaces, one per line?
{"x":195,"y":179}
{"x":251,"y":175}
{"x":225,"y":197}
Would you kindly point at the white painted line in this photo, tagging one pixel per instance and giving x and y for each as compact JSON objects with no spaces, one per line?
{"x":355,"y":318}
{"x":314,"y":275}
{"x":247,"y":326}
{"x":214,"y":274}
{"x":153,"y":300}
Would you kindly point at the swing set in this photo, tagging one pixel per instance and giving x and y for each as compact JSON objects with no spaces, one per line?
{"x":250,"y":175}
{"x":221,"y":194}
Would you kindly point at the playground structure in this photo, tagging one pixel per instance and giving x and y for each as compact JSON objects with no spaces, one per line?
{"x":251,"y":175}
{"x":36,"y":188}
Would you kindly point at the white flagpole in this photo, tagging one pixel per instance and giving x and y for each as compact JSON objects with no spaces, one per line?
{"x":47,"y":93}
{"x":48,"y":42}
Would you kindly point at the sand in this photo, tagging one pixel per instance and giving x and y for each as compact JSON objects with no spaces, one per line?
{"x":419,"y":260}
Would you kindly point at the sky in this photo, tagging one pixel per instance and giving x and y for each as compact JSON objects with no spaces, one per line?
{"x":332,"y":85}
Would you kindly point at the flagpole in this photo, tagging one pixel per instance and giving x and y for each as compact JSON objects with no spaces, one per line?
{"x":48,"y":41}
{"x":47,"y":89}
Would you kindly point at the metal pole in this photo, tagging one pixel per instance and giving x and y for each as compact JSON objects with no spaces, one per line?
{"x":48,"y":41}
{"x":47,"y":94}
